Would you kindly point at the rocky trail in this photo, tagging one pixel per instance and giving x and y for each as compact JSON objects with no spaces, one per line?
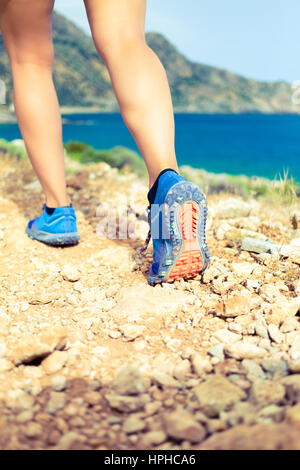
{"x":92,"y":357}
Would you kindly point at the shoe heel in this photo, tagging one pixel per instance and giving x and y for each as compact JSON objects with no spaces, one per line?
{"x":191,"y":208}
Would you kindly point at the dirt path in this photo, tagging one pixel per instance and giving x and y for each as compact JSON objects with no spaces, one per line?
{"x":93,"y":357}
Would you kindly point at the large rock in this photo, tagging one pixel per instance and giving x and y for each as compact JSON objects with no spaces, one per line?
{"x":264,"y":392}
{"x":258,"y":437}
{"x":33,"y":348}
{"x":217,"y":394}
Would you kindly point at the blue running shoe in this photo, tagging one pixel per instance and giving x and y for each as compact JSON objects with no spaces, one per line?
{"x":58,"y":228}
{"x":177,"y":221}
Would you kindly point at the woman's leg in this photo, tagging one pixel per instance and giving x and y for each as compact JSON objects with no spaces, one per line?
{"x":26,"y":30}
{"x":138,"y":78}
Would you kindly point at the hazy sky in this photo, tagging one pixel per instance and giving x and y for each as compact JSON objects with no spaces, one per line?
{"x":256,"y":38}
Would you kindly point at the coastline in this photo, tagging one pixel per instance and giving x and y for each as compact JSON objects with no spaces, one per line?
{"x":9,"y":117}
{"x":125,"y":159}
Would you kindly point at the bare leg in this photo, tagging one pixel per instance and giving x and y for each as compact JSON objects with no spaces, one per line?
{"x":26,"y":30}
{"x":138,"y":78}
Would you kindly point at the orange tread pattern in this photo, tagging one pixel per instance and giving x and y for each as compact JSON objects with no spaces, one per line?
{"x":190,"y":262}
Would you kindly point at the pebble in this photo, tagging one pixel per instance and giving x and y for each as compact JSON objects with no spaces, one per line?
{"x":56,"y":402}
{"x":153,"y":438}
{"x":70,"y":273}
{"x":133,"y":424}
{"x":59,"y":383}
{"x":33,"y":430}
{"x":69,"y":439}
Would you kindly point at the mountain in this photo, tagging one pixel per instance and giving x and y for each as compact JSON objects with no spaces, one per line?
{"x":82,"y":79}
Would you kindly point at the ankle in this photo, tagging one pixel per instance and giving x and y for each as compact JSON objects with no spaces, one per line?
{"x":58,"y":202}
{"x":153,"y":177}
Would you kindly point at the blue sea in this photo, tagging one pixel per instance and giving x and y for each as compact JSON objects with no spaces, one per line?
{"x":249,"y":144}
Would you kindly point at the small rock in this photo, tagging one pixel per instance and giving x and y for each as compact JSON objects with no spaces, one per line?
{"x":244,"y":350}
{"x":217,"y":351}
{"x":271,"y":413}
{"x":24,"y":416}
{"x":153,"y":438}
{"x":216,"y":394}
{"x":19,"y":400}
{"x":56,"y":402}
{"x":275,"y":368}
{"x":92,"y":397}
{"x":294,"y":367}
{"x":181,"y":426}
{"x":292,"y":386}
{"x":235,"y":328}
{"x":130,"y":382}
{"x":200,"y":364}
{"x":131,"y":331}
{"x":55,"y":362}
{"x":70,"y":439}
{"x":257,"y":246}
{"x":294,"y":351}
{"x":33,"y":430}
{"x":289,"y":325}
{"x":59,"y":383}
{"x":293,"y":414}
{"x":234,"y":307}
{"x":133,"y":424}
{"x":227,"y":337}
{"x":266,"y":393}
{"x":253,"y":369}
{"x":165,"y":380}
{"x":70,"y":273}
{"x":261,"y":331}
{"x":127,"y":403}
{"x":182,"y":370}
{"x":275,"y":334}
{"x":216,"y":425}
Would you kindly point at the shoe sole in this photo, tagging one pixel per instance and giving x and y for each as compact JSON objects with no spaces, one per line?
{"x":54,"y":239}
{"x":187,"y":208}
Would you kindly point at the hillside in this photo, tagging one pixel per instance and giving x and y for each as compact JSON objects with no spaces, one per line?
{"x":82,"y":79}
